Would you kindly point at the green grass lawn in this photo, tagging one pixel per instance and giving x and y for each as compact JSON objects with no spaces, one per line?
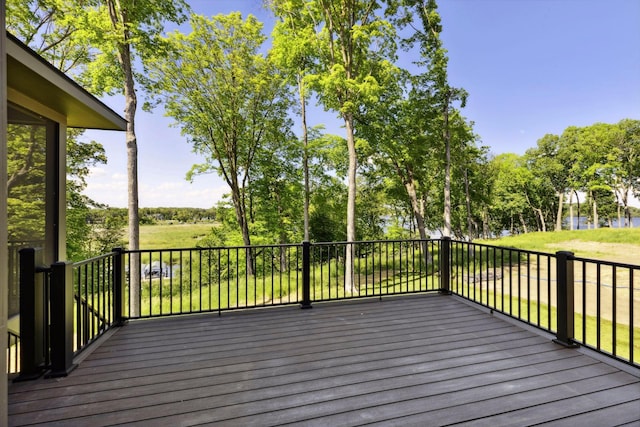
{"x":169,"y":236}
{"x":620,"y":245}
{"x":540,"y":240}
{"x":200,"y":286}
{"x":612,"y":244}
{"x":586,"y":328}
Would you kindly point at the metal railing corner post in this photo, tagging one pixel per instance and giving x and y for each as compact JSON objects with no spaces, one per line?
{"x":445,"y":265}
{"x":564,"y":297}
{"x":61,"y":296}
{"x":119,"y":282}
{"x":306,"y":275}
{"x":31,"y":318}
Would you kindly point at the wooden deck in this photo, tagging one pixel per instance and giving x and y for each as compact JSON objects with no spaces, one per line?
{"x":428,"y":360}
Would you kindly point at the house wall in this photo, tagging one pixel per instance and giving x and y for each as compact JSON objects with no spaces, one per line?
{"x":3,"y":221}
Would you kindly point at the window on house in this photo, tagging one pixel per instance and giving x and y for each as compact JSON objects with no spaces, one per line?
{"x":30,"y":138}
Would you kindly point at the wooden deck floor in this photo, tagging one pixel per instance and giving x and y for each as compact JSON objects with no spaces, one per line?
{"x":428,"y":360}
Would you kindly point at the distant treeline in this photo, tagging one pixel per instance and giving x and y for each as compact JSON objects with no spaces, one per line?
{"x":153,"y":215}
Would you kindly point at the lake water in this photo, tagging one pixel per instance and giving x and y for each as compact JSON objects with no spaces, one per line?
{"x":583,"y":223}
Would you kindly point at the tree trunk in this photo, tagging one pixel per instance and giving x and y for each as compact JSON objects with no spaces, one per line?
{"x":542,"y":221}
{"x":134,"y":219}
{"x":284,"y":265}
{"x":618,"y":195}
{"x":571,"y":211}
{"x":559,"y":215}
{"x":421,"y":203}
{"x":241,"y":217}
{"x":468,"y":203}
{"x":305,"y":156}
{"x":410,"y":186}
{"x":131,"y":105}
{"x":595,"y":213}
{"x":524,"y":224}
{"x":619,"y":213}
{"x":539,"y":214}
{"x":349,"y":285}
{"x":283,"y":236}
{"x":578,"y":202}
{"x":625,"y":204}
{"x":246,"y":238}
{"x":485,"y":224}
{"x":447,"y":171}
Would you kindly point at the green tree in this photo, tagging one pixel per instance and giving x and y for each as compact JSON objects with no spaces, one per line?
{"x":275,"y":189}
{"x":627,"y":176}
{"x":509,"y":206}
{"x":227,"y":97}
{"x":356,"y":47}
{"x":472,"y":178}
{"x":294,"y":41}
{"x":84,"y":239}
{"x":569,"y":145}
{"x":123,"y":33}
{"x":327,"y":172}
{"x":327,"y":216}
{"x":435,"y":80}
{"x":595,"y":164}
{"x":49,"y":28}
{"x":549,"y":161}
{"x":400,"y":132}
{"x":373,"y":205}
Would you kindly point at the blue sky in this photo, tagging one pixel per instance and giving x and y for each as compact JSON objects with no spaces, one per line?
{"x":531,"y":67}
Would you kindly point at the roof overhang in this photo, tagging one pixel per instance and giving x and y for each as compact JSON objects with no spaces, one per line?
{"x":32,"y":76}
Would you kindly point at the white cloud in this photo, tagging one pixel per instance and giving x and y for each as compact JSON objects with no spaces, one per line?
{"x":169,"y":186}
{"x":179,"y":194}
{"x":96,"y":171}
{"x":161,"y":186}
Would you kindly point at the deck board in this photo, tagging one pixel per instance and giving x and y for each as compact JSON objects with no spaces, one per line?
{"x":425,"y":360}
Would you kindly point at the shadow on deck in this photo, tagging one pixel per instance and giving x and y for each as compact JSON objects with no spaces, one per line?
{"x":422,"y":360}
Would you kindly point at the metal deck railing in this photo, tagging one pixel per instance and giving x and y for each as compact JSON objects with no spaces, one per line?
{"x":582,"y":301}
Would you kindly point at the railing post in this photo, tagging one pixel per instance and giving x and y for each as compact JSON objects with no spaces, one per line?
{"x":119,"y":282}
{"x":445,"y":265}
{"x":565,"y":301}
{"x":31,"y":318}
{"x":61,"y":295}
{"x":306,"y":275}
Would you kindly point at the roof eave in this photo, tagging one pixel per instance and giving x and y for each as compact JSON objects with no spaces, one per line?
{"x":34,"y":77}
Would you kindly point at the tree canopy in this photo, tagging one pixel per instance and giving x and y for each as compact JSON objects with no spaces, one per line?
{"x":408,"y":156}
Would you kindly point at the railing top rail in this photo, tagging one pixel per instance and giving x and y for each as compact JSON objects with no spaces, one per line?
{"x":509,"y":248}
{"x":281,"y":245}
{"x":604,"y":262}
{"x":96,"y":258}
{"x":376,"y":241}
{"x":553,"y":255}
{"x":207,"y":248}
